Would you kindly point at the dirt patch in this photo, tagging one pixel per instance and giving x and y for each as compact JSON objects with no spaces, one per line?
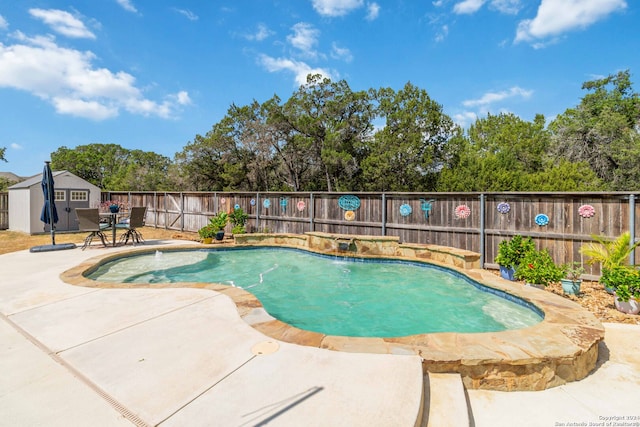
{"x":12,"y":241}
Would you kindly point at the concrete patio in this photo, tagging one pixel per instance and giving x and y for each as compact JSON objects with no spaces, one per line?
{"x":174,"y":357}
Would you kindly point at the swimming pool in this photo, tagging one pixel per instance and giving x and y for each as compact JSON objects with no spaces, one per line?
{"x":337,"y":295}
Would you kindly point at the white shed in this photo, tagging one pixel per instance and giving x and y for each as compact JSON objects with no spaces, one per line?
{"x":26,"y":201}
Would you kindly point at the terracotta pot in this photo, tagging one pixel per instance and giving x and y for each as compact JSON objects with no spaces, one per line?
{"x":207,"y":240}
{"x":629,"y":307}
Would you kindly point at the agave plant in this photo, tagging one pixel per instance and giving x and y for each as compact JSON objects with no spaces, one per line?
{"x":609,"y":253}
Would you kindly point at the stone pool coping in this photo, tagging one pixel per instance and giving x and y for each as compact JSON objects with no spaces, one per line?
{"x":562,"y":348}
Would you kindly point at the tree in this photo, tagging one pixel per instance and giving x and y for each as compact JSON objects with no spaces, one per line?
{"x":144,"y":171}
{"x":96,"y":163}
{"x":111,"y":167}
{"x":2,"y":151}
{"x":603,"y":130}
{"x":505,"y":153}
{"x":199,"y":162}
{"x":407,"y":154}
{"x":330,"y":123}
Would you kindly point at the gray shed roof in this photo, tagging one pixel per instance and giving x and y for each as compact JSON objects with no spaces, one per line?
{"x":36,"y":179}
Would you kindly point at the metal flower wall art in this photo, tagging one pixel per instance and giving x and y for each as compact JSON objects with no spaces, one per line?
{"x":542,"y":220}
{"x":462,"y":212}
{"x":503,"y":208}
{"x":405,"y":209}
{"x":586,"y":211}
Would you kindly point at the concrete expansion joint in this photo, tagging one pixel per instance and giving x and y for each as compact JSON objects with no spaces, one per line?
{"x":207,"y":389}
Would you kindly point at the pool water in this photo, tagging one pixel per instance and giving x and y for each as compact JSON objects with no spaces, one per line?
{"x":336,"y":296}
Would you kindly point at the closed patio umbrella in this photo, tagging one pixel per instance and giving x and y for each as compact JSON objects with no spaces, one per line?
{"x":49,"y":213}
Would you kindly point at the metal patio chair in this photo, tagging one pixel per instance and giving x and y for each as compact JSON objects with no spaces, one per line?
{"x":131,"y":224}
{"x":89,"y":220}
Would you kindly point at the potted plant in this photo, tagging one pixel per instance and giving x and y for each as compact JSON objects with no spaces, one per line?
{"x":207,"y":233}
{"x":219,"y":222}
{"x":609,"y":253}
{"x":238,"y":219}
{"x":538,"y":269}
{"x":572,"y":281}
{"x":510,"y":254}
{"x":625,"y":281}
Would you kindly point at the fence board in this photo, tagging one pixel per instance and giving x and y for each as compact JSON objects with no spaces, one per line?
{"x":4,"y":210}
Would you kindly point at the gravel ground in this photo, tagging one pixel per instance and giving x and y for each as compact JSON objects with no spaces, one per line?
{"x":594,"y":298}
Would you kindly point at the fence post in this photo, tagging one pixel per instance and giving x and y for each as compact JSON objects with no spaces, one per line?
{"x":384,"y":214}
{"x":632,"y":226}
{"x":482,"y":229}
{"x":155,"y":208}
{"x":181,"y":211}
{"x":311,"y":212}
{"x":258,"y":212}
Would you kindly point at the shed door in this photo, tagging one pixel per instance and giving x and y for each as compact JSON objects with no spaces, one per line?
{"x":67,"y":200}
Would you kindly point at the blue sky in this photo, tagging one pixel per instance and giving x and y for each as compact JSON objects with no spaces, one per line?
{"x":152,"y":74}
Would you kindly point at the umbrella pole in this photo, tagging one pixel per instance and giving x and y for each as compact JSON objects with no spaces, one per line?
{"x":51,"y":197}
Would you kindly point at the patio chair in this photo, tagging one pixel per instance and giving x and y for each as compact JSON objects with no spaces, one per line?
{"x":89,"y":220}
{"x":131,"y":224}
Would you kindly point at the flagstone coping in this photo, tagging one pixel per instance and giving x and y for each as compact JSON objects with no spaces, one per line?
{"x":562,"y":348}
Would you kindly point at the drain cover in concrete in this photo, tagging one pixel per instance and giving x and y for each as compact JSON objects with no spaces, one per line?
{"x":265,"y":347}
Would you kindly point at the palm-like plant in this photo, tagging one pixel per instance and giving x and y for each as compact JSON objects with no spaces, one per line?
{"x":609,"y":253}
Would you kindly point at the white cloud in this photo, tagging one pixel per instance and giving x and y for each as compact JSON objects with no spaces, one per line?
{"x":493,"y":97}
{"x":443,"y":33}
{"x":298,"y":68}
{"x":304,"y":38}
{"x":468,"y":6}
{"x":188,"y":14}
{"x":182,"y":98}
{"x":127,"y":5}
{"x":465,"y":118}
{"x":3,"y":23}
{"x":63,"y":23}
{"x":373,"y":10}
{"x":336,"y":7}
{"x":343,"y":53}
{"x":67,"y":79}
{"x":472,"y":6}
{"x":510,"y":7}
{"x":556,"y":17}
{"x":16,"y":146}
{"x":261,"y":33}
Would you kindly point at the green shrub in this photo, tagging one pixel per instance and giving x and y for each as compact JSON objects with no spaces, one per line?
{"x":537,"y":267}
{"x":624,"y":280}
{"x":511,"y":252}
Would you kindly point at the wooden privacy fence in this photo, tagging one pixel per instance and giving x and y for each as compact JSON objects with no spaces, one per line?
{"x":559,"y":222}
{"x":4,"y":210}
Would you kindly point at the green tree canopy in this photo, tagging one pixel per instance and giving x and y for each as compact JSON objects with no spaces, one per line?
{"x":111,"y":167}
{"x":505,"y":153}
{"x":407,"y":153}
{"x":603,"y":131}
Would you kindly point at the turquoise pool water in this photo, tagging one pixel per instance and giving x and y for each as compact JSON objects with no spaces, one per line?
{"x":337,"y":296}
